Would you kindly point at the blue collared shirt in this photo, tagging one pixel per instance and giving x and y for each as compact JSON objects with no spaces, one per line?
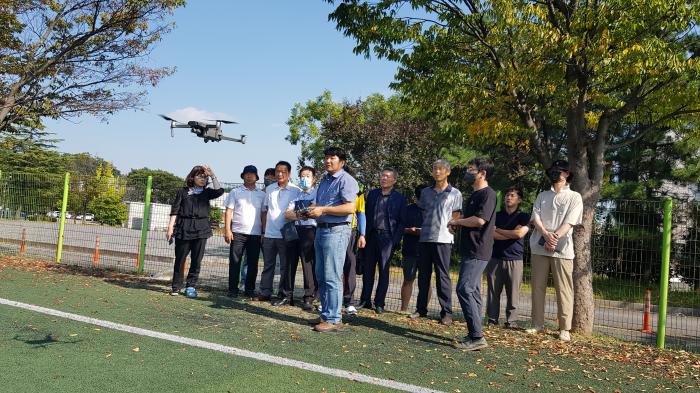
{"x":437,"y":210}
{"x":335,"y":190}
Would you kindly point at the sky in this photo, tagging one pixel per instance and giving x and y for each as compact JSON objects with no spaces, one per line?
{"x":239,"y":60}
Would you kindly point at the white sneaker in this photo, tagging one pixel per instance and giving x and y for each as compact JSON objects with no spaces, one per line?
{"x":534,"y":330}
{"x":351,"y":310}
{"x":564,"y":335}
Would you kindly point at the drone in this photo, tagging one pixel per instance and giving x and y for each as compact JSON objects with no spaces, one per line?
{"x":207,"y":131}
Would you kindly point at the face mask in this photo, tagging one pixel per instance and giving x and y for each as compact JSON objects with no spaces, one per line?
{"x":469,"y":177}
{"x":268,"y":182}
{"x":305,"y":182}
{"x":554,"y":174}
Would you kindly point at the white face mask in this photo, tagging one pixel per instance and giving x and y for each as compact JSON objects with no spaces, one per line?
{"x":305,"y":182}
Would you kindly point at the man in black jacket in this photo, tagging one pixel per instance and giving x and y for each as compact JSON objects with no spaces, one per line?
{"x":385,"y":209}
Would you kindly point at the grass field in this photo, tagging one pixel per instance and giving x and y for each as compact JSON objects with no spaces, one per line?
{"x":43,"y":353}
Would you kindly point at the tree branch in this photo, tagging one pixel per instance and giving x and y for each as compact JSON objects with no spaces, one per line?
{"x":645,"y":129}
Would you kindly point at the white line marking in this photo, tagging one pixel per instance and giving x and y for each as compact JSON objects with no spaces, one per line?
{"x":225,"y":349}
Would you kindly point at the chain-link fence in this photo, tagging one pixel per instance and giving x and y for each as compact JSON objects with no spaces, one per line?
{"x":104,"y":228}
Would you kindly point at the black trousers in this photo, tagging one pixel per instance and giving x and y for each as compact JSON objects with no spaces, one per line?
{"x":434,"y":255}
{"x":307,"y":236}
{"x":378,"y":252}
{"x":195,"y":247}
{"x":250,"y":244}
{"x":350,"y":270}
{"x":289,"y":256}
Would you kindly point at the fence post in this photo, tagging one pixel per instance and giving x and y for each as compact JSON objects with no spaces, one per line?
{"x":64,"y":205}
{"x":663,"y":285}
{"x":145,"y":224}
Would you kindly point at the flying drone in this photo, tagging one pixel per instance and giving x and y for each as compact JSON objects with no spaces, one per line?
{"x":207,"y":131}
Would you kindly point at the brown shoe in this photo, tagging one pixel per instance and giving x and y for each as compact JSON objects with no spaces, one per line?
{"x":325,"y":327}
{"x":314,"y":321}
{"x":446,"y":320}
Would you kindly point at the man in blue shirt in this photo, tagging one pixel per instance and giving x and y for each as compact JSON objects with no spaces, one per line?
{"x":335,"y":203}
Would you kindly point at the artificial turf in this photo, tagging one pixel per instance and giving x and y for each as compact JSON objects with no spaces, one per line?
{"x":44,"y":354}
{"x":388,"y":346}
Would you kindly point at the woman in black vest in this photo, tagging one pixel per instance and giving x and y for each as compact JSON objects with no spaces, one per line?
{"x":189,"y":225}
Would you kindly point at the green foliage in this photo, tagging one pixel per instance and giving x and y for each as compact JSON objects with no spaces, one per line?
{"x":85,"y":164}
{"x":577,"y":79}
{"x":165,"y":185}
{"x":215,"y":216}
{"x":104,"y":196}
{"x":26,"y":148}
{"x":109,"y":209}
{"x":375,"y":132}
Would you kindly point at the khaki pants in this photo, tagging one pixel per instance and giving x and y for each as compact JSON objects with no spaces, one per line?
{"x":562,"y":270}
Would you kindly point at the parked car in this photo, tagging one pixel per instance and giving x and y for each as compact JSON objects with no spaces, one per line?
{"x":86,"y":217}
{"x":57,"y":214}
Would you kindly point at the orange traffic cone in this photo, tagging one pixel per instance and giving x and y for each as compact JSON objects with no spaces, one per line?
{"x":96,"y":255}
{"x":646,"y":321}
{"x":22,"y":242}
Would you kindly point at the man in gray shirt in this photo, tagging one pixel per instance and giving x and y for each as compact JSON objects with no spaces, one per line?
{"x":440,"y":204}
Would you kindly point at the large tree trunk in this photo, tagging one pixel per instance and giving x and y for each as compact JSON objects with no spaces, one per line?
{"x":584,"y":310}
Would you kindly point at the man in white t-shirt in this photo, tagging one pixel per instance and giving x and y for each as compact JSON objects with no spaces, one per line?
{"x":555,"y":213}
{"x":277,"y":199}
{"x":243,"y":228}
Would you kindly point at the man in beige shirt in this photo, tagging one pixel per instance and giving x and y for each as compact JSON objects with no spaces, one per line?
{"x":555,"y":213}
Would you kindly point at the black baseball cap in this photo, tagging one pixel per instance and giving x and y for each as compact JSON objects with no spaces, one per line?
{"x":250,"y":169}
{"x":561,"y":164}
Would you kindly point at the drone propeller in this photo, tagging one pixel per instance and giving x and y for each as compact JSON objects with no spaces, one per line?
{"x":169,"y":118}
{"x":223,"y":121}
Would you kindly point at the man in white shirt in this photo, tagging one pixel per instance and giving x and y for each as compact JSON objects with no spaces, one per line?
{"x":277,"y":199}
{"x":555,"y":213}
{"x":243,"y":227}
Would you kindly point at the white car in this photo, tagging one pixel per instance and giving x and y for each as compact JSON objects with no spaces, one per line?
{"x":57,"y":214}
{"x":86,"y":217}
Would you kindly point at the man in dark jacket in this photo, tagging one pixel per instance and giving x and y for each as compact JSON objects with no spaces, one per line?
{"x":385,"y":210}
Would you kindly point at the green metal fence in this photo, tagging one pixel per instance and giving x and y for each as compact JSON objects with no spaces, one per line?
{"x":109,"y":224}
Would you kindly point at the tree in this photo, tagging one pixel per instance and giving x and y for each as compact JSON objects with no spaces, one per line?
{"x":68,"y":58}
{"x":104,"y":195}
{"x":85,"y":164}
{"x":376,"y":132}
{"x":30,"y":153}
{"x":568,"y":78}
{"x":165,"y":185}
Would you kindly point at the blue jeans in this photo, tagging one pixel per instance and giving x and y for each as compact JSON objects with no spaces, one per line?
{"x":330,"y":246}
{"x":469,"y":294}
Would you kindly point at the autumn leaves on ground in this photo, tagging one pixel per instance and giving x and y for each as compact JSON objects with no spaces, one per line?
{"x":70,"y":356}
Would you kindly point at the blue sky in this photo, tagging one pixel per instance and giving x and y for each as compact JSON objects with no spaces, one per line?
{"x":244,"y":60}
